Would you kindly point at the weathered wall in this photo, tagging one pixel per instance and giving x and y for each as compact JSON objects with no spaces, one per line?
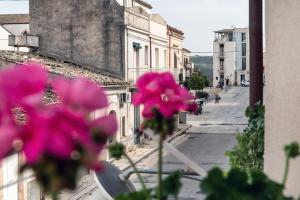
{"x":87,"y":33}
{"x":282,"y":88}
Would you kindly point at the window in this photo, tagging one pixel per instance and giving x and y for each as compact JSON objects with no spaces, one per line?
{"x":112,"y":139}
{"x":221,"y":49}
{"x":175,"y":60}
{"x":156,"y":57}
{"x":137,"y":59}
{"x":222,"y":64}
{"x":165,"y":56}
{"x":146,"y":55}
{"x":244,"y":49}
{"x":243,"y":37}
{"x":230,"y":37}
{"x":243,"y":77}
{"x":244,"y":63}
{"x":123,"y":126}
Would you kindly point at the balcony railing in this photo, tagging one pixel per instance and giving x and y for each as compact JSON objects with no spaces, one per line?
{"x":135,"y":73}
{"x":23,"y":41}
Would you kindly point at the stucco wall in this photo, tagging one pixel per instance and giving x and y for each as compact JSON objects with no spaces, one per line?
{"x":88,"y":33}
{"x":136,"y":65}
{"x":4,"y":39}
{"x":216,"y":64}
{"x":282,"y":88}
{"x":229,"y":62}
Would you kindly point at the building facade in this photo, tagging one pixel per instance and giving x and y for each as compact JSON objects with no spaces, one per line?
{"x":231,"y":56}
{"x":175,"y":53}
{"x":159,"y":43}
{"x":119,"y":105}
{"x":13,"y":25}
{"x":110,"y":42}
{"x":282,"y":90}
{"x":187,"y":63}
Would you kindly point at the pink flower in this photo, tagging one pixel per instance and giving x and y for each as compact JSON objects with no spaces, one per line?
{"x":22,"y":85}
{"x":52,"y":130}
{"x":160,"y":91}
{"x":104,"y":126}
{"x":80,"y":94}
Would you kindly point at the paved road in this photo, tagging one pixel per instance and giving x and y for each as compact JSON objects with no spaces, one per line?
{"x":212,"y":134}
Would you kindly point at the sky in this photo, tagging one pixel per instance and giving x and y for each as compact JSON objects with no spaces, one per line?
{"x":196,"y":18}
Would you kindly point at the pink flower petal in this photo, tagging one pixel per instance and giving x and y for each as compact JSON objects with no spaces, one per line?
{"x":107,"y":125}
{"x":80,"y":94}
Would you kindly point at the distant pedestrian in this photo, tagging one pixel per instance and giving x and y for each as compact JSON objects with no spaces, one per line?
{"x":216,"y":99}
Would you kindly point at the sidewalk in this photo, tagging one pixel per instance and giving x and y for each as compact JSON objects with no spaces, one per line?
{"x":146,"y":149}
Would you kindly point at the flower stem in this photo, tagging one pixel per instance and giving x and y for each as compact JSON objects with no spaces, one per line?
{"x":54,"y":196}
{"x":160,"y":152}
{"x":286,"y":171}
{"x":136,"y":171}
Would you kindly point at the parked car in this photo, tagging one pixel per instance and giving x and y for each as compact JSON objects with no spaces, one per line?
{"x":245,"y":83}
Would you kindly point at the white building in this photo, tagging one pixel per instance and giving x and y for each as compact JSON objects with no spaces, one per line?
{"x":13,"y":24}
{"x":158,"y":43}
{"x":231,"y":56}
{"x":175,"y":53}
{"x":119,"y":105}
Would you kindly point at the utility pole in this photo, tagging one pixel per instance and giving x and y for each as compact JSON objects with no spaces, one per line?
{"x":256,"y":51}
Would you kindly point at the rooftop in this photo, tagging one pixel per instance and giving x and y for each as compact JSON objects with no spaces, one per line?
{"x":224,"y":30}
{"x":15,"y":19}
{"x":186,"y":50}
{"x":173,"y":29}
{"x":144,"y":3}
{"x":228,"y":30}
{"x":68,"y":70}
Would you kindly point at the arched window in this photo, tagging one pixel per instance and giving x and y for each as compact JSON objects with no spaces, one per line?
{"x":112,"y":139}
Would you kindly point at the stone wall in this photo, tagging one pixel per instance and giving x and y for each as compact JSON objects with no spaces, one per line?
{"x":87,"y":33}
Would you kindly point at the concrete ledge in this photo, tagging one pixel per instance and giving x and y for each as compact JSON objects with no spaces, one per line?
{"x":173,"y":139}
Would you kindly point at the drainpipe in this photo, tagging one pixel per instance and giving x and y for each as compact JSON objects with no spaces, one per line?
{"x":256,"y":51}
{"x":169,"y":52}
{"x":127,"y":49}
{"x":150,"y":53}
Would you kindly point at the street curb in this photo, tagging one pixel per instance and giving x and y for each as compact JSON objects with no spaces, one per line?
{"x":148,"y":154}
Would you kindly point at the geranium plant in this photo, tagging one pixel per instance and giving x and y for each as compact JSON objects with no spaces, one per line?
{"x":162,"y":98}
{"x":56,"y":139}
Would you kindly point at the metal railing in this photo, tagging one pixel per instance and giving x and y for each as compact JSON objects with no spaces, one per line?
{"x":135,"y":73}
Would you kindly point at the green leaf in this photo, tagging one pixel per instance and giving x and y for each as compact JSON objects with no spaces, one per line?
{"x":292,"y":150}
{"x":116,"y":150}
{"x":172,"y":184}
{"x":140,"y":195}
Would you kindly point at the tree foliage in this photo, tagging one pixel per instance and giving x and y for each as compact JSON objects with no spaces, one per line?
{"x":198,"y":81}
{"x":248,"y":153}
{"x":239,"y":185}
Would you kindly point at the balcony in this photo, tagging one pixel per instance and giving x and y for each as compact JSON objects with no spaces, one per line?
{"x":223,"y":39}
{"x":188,"y":65}
{"x":23,"y":41}
{"x":137,"y":18}
{"x":135,"y":73}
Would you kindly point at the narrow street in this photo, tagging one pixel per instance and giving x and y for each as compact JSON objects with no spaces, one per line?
{"x":211,"y":135}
